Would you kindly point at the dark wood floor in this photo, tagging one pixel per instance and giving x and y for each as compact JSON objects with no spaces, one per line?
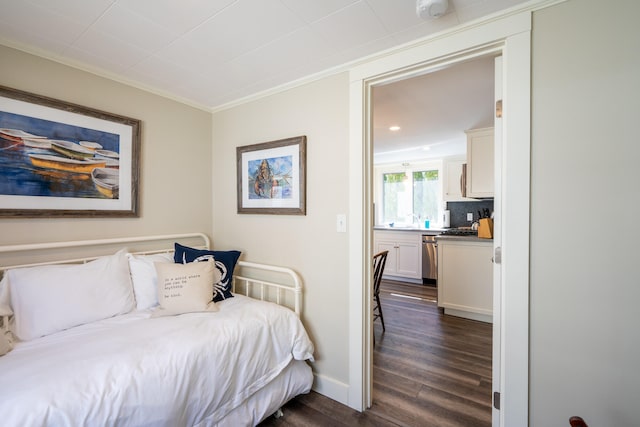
{"x":429,"y":370}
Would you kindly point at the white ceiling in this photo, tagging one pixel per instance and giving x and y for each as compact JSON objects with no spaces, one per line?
{"x":214,"y":53}
{"x":432,"y":111}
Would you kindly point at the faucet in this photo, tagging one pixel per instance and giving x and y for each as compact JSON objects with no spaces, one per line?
{"x":415,"y":218}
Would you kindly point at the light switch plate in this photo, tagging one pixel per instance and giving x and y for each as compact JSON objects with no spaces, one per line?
{"x":341,"y":223}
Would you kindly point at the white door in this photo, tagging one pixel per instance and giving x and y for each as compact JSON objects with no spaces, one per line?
{"x":497,"y":243}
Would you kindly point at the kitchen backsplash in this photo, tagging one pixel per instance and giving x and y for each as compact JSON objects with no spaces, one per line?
{"x":459,"y":211}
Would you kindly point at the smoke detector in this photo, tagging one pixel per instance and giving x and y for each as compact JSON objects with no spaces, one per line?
{"x":431,"y":9}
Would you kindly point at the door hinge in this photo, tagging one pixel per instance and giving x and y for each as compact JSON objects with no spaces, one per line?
{"x":499,"y":108}
{"x":497,"y":255}
{"x":496,"y":400}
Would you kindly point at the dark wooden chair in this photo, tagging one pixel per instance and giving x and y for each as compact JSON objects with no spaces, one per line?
{"x":379,"y":261}
{"x":577,"y":422}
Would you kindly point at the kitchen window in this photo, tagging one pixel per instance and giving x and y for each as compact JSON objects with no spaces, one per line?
{"x":411,"y":196}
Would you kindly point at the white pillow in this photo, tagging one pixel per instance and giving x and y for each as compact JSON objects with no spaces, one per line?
{"x":145,"y":279}
{"x":52,"y":298}
{"x":186,"y":288}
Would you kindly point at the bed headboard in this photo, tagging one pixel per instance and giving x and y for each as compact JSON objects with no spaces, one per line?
{"x":281,"y":285}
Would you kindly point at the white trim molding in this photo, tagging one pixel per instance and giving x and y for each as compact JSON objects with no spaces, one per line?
{"x":327,"y":386}
{"x":508,"y":36}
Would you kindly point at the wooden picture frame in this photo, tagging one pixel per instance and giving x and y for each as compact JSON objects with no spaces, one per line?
{"x":59,"y":159}
{"x":272,"y":177}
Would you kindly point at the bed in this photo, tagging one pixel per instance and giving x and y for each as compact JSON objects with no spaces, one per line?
{"x":91,"y":346}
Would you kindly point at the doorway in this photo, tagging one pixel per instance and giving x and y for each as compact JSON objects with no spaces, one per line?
{"x":431,"y":113}
{"x":510,"y":37}
{"x":428,"y":366}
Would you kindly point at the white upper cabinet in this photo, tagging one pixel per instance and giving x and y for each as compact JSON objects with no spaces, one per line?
{"x":453,"y":180}
{"x":480,"y":167}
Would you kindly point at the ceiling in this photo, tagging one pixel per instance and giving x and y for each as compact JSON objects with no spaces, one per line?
{"x":216,"y":53}
{"x":432,"y":111}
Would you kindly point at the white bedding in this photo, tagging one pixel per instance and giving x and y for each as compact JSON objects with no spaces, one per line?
{"x":185,"y":370}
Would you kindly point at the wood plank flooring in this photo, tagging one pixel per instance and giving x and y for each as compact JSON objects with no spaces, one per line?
{"x":429,"y":370}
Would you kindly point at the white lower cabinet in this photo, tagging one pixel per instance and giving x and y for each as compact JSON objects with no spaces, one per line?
{"x":465,"y":278}
{"x":405,"y":253}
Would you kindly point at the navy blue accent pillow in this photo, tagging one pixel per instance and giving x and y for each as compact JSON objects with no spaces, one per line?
{"x":225,"y":262}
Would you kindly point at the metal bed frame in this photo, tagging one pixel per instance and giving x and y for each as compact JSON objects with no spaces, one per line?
{"x":280,"y":285}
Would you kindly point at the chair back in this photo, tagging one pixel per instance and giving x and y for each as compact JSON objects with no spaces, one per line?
{"x":379,"y":261}
{"x":577,"y":422}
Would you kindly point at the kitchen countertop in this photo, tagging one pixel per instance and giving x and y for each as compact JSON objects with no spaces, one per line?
{"x":434,"y":231}
{"x":472,"y":238}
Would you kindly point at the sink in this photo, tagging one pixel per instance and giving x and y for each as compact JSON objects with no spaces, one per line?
{"x":400,"y":225}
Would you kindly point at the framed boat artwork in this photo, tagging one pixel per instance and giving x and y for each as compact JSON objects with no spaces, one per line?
{"x":64,"y":160}
{"x":272,"y":177}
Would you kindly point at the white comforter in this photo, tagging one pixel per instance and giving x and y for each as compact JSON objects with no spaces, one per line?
{"x":134,"y":370}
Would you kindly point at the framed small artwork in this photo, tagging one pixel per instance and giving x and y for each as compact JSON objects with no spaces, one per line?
{"x":61,"y":159}
{"x":272,"y":177}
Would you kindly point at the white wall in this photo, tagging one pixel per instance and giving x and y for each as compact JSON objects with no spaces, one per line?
{"x":309,"y":244}
{"x":584,"y":340}
{"x":175,"y":171}
{"x":585,"y":285}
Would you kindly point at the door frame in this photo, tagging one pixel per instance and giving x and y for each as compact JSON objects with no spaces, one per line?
{"x":509,"y":36}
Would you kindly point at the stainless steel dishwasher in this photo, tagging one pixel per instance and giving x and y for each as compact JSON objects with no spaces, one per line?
{"x":429,"y":260}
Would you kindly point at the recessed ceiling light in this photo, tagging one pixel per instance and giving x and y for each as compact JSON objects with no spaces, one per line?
{"x":426,"y":148}
{"x":394,"y":128}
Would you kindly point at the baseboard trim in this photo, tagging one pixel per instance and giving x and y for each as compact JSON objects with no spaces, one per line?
{"x":331,"y":388}
{"x":402,"y":279}
{"x":469,"y":315}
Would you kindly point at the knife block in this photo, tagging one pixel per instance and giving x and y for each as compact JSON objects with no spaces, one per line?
{"x":485,"y":228}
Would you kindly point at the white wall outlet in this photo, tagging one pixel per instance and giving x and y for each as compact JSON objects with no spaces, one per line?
{"x":341,"y":223}
{"x":470,"y":216}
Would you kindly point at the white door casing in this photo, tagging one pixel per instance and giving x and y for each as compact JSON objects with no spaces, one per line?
{"x":510,"y":37}
{"x":497,"y":245}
